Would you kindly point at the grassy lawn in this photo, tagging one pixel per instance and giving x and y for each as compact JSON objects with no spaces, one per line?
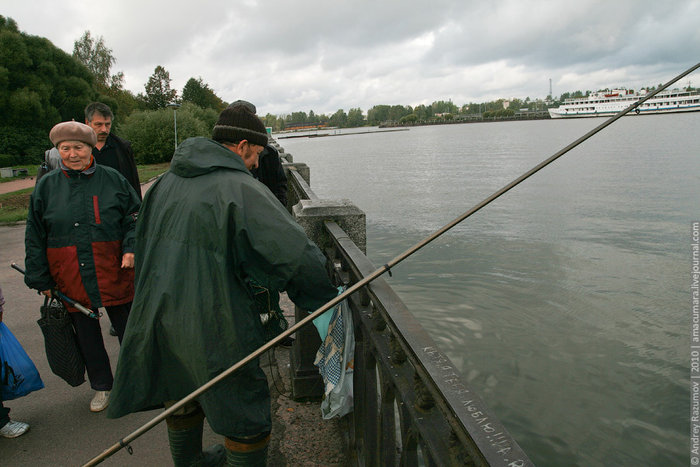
{"x":147,"y":172}
{"x":14,"y":206}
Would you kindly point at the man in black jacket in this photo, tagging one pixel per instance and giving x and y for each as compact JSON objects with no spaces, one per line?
{"x":111,"y":150}
{"x":269,"y":170}
{"x":271,"y":173}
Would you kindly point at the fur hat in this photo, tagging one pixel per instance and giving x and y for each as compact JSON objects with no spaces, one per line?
{"x":238,"y":123}
{"x":72,"y":131}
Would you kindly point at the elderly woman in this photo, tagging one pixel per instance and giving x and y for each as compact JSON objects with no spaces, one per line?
{"x":79,"y":240}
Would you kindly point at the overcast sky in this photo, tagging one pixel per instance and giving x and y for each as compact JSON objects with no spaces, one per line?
{"x":301,"y":55}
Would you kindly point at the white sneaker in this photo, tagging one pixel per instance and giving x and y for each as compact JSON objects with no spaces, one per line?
{"x":13,"y":429}
{"x":100,"y":401}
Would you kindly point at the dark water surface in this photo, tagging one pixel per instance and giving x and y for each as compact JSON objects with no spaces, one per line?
{"x":566,"y":303}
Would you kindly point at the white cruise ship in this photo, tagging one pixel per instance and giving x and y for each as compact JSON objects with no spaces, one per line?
{"x":605,"y":104}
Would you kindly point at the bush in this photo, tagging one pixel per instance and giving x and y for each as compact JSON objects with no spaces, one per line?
{"x":152,"y":132}
{"x":28,"y":142}
{"x":8,"y":160}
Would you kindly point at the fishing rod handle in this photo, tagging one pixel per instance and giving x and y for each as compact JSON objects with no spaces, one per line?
{"x":65,"y":298}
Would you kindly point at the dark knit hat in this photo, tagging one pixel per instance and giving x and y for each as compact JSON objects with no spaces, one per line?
{"x":238,"y":123}
{"x":72,"y":131}
{"x":247,"y":104}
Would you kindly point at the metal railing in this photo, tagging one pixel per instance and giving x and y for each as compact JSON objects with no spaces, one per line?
{"x":411,"y":405}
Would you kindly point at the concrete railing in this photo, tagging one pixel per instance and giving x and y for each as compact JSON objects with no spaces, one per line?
{"x":411,"y":405}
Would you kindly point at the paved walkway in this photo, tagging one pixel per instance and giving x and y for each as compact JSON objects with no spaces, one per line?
{"x":16,"y":185}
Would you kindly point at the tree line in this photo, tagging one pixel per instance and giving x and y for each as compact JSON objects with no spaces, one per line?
{"x":41,"y":85}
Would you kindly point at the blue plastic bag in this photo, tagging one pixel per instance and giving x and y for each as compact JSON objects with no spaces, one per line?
{"x":324,"y":319}
{"x":18,"y":375}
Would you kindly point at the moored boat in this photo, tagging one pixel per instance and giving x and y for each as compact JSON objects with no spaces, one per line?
{"x":605,"y":104}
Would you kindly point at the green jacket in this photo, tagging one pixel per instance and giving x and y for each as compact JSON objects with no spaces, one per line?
{"x":79,"y":226}
{"x":205,"y":230}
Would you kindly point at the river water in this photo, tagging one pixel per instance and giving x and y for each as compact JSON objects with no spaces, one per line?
{"x":566,"y":303}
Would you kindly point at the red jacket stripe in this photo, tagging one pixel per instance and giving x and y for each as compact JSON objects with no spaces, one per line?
{"x":96,"y":208}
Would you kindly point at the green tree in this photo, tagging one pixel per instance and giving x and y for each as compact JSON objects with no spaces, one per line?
{"x":199,"y":93}
{"x":158,"y":92}
{"x":274,"y":122}
{"x":152,"y":132}
{"x":98,"y":58}
{"x":423,"y":113}
{"x":397,"y":112}
{"x":338,"y":119}
{"x":410,"y":118}
{"x":312,"y":118}
{"x":355,"y":118}
{"x":40,"y":85}
{"x":296,"y":118}
{"x":378,"y":114}
{"x":443,"y":107}
{"x":385,"y":113}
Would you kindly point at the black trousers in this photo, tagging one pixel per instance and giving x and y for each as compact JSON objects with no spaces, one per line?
{"x":92,"y":345}
{"x":4,"y":415}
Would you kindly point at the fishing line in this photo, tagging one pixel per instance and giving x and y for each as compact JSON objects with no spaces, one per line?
{"x":369,"y":278}
{"x":271,"y":357}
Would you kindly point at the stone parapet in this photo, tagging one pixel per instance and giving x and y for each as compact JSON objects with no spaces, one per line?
{"x":311,"y":215}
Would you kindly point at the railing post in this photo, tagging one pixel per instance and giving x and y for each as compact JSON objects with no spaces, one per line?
{"x":303,"y":170}
{"x":311,"y":214}
{"x":300,"y":167}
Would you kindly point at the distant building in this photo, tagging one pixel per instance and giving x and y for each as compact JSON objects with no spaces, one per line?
{"x":304,"y":126}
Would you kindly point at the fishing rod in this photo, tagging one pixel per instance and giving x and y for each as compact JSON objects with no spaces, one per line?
{"x":124,"y":442}
{"x":64,"y":297}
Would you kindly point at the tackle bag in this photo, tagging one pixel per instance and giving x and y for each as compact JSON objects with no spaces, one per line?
{"x":42,"y":170}
{"x":18,"y":374}
{"x":61,"y":344}
{"x":271,"y":316}
{"x":51,"y":158}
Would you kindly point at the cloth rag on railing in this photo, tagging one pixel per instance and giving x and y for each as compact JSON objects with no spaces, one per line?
{"x":335,"y":360}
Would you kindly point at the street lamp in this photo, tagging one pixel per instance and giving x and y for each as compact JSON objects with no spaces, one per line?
{"x":175,"y":107}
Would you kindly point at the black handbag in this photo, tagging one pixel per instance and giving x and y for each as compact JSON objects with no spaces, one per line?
{"x":60,"y":342}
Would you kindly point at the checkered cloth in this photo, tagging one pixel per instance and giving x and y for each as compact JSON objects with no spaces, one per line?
{"x":335,"y":361}
{"x":329,"y":358}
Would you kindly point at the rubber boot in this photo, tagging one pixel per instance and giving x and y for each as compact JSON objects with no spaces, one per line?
{"x":213,"y":456}
{"x":186,"y":449}
{"x":247,"y":459}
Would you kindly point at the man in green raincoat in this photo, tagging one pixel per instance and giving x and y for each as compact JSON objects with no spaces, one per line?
{"x":207,"y":230}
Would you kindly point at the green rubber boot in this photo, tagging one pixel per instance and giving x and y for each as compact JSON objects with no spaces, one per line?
{"x":247,"y":459}
{"x":186,"y":449}
{"x":213,"y":456}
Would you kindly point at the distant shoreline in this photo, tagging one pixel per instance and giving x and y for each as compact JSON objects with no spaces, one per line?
{"x":319,"y":135}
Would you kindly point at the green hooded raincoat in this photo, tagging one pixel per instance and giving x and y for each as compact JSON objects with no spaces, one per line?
{"x":205,"y":230}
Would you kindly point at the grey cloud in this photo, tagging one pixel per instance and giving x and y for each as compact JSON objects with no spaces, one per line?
{"x":321,"y":55}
